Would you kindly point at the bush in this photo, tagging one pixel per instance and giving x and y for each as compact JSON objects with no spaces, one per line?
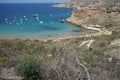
{"x":28,"y":68}
{"x":2,"y":60}
{"x":102,"y":44}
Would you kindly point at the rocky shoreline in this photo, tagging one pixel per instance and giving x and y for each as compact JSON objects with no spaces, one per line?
{"x":93,"y":12}
{"x":92,"y":15}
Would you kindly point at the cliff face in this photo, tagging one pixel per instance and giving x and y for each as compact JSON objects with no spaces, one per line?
{"x":93,"y":12}
{"x":105,"y":13}
{"x":76,"y":3}
{"x":81,"y":17}
{"x":96,"y":14}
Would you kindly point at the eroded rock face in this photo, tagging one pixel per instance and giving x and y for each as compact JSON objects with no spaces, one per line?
{"x":95,"y":17}
{"x":80,"y":17}
{"x":95,"y":12}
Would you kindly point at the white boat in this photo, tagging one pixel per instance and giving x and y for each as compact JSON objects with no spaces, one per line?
{"x":62,"y":21}
{"x":24,"y":16}
{"x":7,"y":22}
{"x":10,"y":23}
{"x":18,"y":24}
{"x":37,"y":19}
{"x":41,"y":22}
{"x":6,"y":19}
{"x":50,"y":15}
{"x":35,"y":15}
{"x":26,"y":19}
{"x":21,"y":21}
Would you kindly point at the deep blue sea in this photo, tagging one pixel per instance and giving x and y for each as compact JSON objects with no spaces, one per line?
{"x":35,"y":21}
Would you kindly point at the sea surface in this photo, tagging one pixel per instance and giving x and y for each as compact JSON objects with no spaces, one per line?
{"x":35,"y":21}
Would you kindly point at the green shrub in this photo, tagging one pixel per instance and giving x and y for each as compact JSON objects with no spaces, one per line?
{"x":28,"y":68}
{"x":2,"y":60}
{"x":102,"y":44}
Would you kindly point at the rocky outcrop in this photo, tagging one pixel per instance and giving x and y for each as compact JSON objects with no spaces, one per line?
{"x":95,"y":17}
{"x":68,"y":5}
{"x":94,"y":12}
{"x":80,"y":17}
{"x":77,"y":3}
{"x":105,"y":18}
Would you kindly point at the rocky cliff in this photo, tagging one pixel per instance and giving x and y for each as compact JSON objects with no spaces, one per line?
{"x":94,"y":17}
{"x":96,"y":13}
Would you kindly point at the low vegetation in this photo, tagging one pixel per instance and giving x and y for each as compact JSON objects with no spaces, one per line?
{"x":28,"y":67}
{"x":62,"y":60}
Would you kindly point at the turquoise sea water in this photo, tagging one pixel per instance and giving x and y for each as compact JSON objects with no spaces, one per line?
{"x":20,"y":21}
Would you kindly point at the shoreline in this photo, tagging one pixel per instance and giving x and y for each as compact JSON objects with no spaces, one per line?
{"x":37,"y":37}
{"x":95,"y":34}
{"x":106,"y":32}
